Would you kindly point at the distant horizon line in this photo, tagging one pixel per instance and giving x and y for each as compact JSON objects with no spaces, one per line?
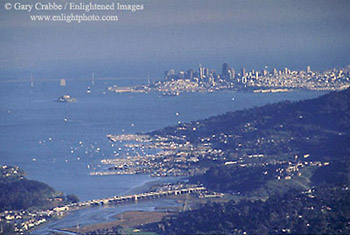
{"x":18,"y":80}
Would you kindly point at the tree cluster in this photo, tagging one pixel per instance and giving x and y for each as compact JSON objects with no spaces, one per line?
{"x":323,"y":210}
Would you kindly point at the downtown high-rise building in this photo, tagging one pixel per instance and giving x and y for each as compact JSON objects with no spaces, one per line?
{"x":233,"y":73}
{"x":225,"y":71}
{"x":201,"y":72}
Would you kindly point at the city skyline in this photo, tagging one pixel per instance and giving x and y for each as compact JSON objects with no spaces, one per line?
{"x":231,"y":72}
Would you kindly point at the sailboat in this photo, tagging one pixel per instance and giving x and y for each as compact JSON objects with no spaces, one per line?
{"x":92,"y":83}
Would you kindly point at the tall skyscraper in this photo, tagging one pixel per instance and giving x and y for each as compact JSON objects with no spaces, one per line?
{"x":206,"y":72}
{"x":225,"y":71}
{"x":233,"y":73}
{"x":201,"y":72}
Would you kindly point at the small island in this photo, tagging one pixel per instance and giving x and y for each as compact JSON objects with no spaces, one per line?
{"x":66,"y":99}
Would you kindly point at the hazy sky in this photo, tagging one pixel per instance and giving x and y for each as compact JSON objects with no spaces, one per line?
{"x":177,"y":34}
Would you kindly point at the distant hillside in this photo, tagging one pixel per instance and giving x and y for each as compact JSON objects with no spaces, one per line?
{"x":297,"y":154}
{"x":292,"y":139}
{"x":319,"y":127}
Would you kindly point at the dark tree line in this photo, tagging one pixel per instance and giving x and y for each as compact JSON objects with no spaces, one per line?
{"x":19,"y":193}
{"x":323,"y":210}
{"x":23,"y":194}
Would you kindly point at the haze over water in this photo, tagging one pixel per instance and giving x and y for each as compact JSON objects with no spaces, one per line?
{"x":61,"y":143}
{"x":178,"y":34}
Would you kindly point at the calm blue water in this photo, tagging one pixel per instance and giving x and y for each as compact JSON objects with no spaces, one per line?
{"x":34,"y":135}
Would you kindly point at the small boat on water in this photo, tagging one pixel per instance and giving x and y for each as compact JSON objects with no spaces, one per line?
{"x":66,"y":99}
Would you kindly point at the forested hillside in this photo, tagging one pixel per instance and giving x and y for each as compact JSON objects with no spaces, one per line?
{"x":297,"y":154}
{"x":19,"y":193}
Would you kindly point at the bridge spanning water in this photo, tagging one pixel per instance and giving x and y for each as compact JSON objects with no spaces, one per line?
{"x":129,"y":198}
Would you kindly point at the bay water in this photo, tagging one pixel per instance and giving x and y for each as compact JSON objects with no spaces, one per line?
{"x":61,"y":143}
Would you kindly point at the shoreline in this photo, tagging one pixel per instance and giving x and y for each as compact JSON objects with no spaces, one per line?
{"x":132,"y":219}
{"x":100,"y":216}
{"x":145,"y":187}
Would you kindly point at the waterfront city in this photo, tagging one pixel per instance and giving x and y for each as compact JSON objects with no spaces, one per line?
{"x":208,"y":80}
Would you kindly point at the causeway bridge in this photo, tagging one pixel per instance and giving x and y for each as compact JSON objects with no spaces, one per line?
{"x":129,"y":198}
